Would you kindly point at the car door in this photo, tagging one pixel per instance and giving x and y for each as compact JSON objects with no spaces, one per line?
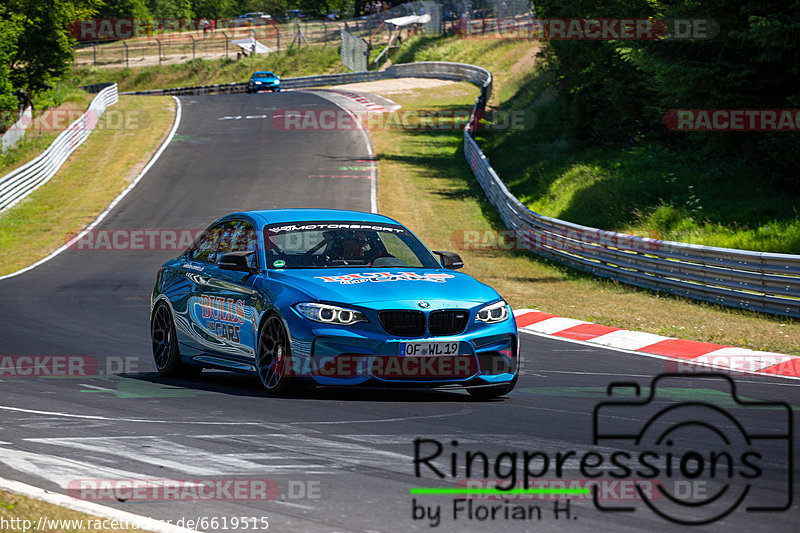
{"x":198,"y":271}
{"x":227,"y":304}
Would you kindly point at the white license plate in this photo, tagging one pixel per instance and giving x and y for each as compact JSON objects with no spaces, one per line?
{"x":412,"y":349}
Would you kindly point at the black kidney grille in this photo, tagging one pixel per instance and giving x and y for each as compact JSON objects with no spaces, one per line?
{"x":403,"y":323}
{"x":448,"y":322}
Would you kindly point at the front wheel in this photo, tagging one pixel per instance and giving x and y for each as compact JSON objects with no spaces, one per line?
{"x":274,"y":357}
{"x":165,"y":345}
{"x":490,"y":393}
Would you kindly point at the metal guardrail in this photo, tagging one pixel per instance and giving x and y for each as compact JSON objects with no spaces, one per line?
{"x":425,"y":69}
{"x":757,"y":281}
{"x":24,"y":180}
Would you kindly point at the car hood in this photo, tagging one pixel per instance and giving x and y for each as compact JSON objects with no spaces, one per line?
{"x":402,"y":287}
{"x":265,"y":79}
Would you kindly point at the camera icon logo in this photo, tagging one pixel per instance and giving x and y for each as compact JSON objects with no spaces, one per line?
{"x":689,"y":437}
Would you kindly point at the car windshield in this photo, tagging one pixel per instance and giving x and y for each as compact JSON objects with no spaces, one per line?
{"x":344,"y":244}
{"x":263,"y":75}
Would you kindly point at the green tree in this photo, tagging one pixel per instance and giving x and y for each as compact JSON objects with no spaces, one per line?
{"x":219,"y":8}
{"x":170,"y":9}
{"x":276,"y":8}
{"x":10,"y":30}
{"x":125,"y":8}
{"x":44,"y":48}
{"x":620,"y":90}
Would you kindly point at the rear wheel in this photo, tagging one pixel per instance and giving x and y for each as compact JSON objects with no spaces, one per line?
{"x":274,"y":357}
{"x":489,"y":393}
{"x":165,"y":345}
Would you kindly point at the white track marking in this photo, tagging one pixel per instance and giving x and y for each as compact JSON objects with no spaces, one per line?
{"x":373,"y":192}
{"x":380,"y":420}
{"x":207,"y":423}
{"x":95,"y":387}
{"x":137,"y":420}
{"x":116,"y":200}
{"x":93,"y":509}
{"x":61,"y":470}
{"x":161,"y":452}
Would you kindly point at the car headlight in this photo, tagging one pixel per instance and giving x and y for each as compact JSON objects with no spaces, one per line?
{"x":493,"y":313}
{"x":330,"y":314}
{"x":258,"y":83}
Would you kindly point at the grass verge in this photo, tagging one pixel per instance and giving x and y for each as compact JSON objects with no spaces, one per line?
{"x":125,"y":138}
{"x":23,"y":511}
{"x":425,"y":182}
{"x":291,"y":63}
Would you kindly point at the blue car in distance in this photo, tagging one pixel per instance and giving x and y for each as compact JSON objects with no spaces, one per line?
{"x":264,"y":81}
{"x":330,"y":298}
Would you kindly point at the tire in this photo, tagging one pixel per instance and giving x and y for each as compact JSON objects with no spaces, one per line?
{"x":165,"y":345}
{"x":490,"y":393}
{"x":274,"y":357}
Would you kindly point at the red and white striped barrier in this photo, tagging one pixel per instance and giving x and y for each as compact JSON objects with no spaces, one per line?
{"x":366,"y":102}
{"x":686,"y":356}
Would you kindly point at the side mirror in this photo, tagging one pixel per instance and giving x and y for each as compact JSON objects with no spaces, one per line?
{"x":235,"y":261}
{"x":449,"y":260}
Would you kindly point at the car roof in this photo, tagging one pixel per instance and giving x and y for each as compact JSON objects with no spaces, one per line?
{"x":283,"y":216}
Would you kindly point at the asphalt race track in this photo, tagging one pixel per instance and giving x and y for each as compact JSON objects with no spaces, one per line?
{"x":336,"y":460}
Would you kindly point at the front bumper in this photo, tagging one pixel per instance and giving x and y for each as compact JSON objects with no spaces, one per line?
{"x":255,"y":87}
{"x":351,"y":356}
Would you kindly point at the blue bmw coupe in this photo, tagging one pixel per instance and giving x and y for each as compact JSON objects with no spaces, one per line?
{"x":330,"y":298}
{"x":264,"y":81}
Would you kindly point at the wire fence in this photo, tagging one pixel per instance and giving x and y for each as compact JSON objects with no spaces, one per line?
{"x":461,"y":17}
{"x":178,"y":47}
{"x":354,"y":52}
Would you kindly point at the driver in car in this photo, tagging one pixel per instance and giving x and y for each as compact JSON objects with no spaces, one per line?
{"x":350,"y":246}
